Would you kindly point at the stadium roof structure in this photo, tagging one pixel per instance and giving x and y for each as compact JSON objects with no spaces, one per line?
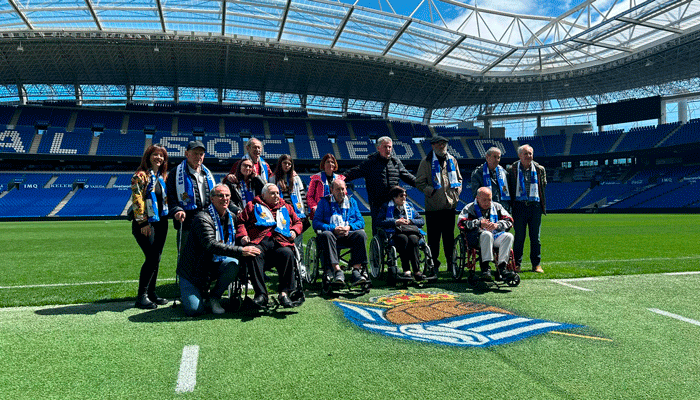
{"x":446,"y":57}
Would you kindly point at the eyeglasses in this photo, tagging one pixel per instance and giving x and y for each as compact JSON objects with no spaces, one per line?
{"x":401,"y":195}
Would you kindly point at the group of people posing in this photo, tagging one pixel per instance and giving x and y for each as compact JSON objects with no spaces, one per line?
{"x":254,"y":219}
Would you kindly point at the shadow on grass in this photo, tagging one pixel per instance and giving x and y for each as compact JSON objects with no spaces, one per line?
{"x":114,"y":305}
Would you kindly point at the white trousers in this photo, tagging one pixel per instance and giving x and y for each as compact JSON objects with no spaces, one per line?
{"x":504,"y":242}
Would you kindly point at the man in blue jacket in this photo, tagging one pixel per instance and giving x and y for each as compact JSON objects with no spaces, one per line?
{"x":339,"y":221}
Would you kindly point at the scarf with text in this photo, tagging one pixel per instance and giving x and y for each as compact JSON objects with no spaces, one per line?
{"x":501,"y":176}
{"x":534,"y":194}
{"x":451,"y":172}
{"x":282,"y":222}
{"x":185,"y":187}
{"x":152,"y":201}
{"x":263,"y":167}
{"x":493,"y":216}
{"x":220,"y":230}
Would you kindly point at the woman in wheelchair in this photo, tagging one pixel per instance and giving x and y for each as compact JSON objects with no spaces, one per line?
{"x":402,"y":224}
{"x":486,"y":223}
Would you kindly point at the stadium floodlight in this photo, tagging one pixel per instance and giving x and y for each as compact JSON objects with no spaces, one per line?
{"x":20,"y":48}
{"x":156,"y":49}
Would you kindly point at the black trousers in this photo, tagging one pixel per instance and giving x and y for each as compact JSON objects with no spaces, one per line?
{"x":407,"y":247}
{"x":273,"y":254}
{"x":152,"y":248}
{"x":441,"y":225}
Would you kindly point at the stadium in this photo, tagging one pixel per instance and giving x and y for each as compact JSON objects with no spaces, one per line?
{"x":605,"y":92}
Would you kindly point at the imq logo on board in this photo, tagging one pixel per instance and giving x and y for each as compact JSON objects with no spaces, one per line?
{"x":441,"y":319}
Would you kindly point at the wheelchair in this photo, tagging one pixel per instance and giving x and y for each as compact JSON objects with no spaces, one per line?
{"x":466,"y":257}
{"x":314,"y":268}
{"x":238,"y":290}
{"x":383,"y":254}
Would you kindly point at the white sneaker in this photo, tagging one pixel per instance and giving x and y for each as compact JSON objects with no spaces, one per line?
{"x":216,"y":307}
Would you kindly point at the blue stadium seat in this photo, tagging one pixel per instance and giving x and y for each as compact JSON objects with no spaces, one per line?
{"x":31,"y":202}
{"x":18,"y":140}
{"x":114,"y":143}
{"x":96,"y":202}
{"x":58,"y":141}
{"x":479,"y":147}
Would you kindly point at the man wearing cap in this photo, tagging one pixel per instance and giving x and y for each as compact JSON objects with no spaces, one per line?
{"x":188,"y":187}
{"x":492,"y":176}
{"x":438,"y":177}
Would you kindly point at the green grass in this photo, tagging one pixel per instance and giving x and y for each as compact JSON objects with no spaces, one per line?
{"x":108,"y":349}
{"x":74,"y":252}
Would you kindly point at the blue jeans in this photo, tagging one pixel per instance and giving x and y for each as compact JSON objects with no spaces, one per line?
{"x":193,"y":298}
{"x":527,"y":217}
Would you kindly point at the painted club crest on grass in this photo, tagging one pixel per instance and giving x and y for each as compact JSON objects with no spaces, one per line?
{"x":441,"y":319}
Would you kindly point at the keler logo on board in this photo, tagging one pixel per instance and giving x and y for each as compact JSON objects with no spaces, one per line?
{"x":441,"y":319}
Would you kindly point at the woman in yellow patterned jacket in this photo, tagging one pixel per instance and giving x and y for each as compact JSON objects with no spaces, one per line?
{"x":150,"y":225}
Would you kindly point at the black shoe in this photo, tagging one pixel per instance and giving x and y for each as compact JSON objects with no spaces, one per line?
{"x":260,"y":300}
{"x":285,"y":302}
{"x":356,"y":278}
{"x":339,"y":277}
{"x":144,"y":303}
{"x":486,"y":276}
{"x":158,"y":300}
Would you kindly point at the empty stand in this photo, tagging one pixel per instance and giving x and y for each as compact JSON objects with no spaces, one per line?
{"x":58,"y":141}
{"x":114,"y":143}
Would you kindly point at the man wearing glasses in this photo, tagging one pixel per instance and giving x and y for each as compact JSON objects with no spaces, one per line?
{"x":210,"y":255}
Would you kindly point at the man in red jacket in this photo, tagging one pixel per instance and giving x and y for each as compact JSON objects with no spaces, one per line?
{"x":270,"y":224}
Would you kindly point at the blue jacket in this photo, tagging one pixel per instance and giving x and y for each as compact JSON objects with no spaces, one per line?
{"x":325,"y":209}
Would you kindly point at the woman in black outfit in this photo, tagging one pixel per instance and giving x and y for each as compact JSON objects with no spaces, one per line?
{"x":149,"y":226}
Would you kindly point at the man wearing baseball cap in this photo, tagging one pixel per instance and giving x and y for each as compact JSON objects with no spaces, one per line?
{"x":188,"y":189}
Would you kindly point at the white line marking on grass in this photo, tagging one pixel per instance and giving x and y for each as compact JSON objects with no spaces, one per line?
{"x":76,"y":284}
{"x":683,"y":273}
{"x":187,"y":377}
{"x":570,"y":285}
{"x":623,"y":260}
{"x":678,"y":317}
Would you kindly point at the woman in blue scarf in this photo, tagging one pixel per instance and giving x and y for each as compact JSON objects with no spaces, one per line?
{"x":402,"y":224}
{"x":149,"y":210}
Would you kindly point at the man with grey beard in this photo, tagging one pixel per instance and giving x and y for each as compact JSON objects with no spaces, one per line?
{"x":439,"y":179}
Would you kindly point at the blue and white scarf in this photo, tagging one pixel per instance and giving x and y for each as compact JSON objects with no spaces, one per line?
{"x":326,"y":184}
{"x":408,"y":210}
{"x":534,"y":194}
{"x":493,"y":216}
{"x":501,"y":175}
{"x":282,"y":222}
{"x":185,"y":187}
{"x":152,"y":200}
{"x":341,"y":212}
{"x":295,"y":195}
{"x":220,"y":230}
{"x":451,"y":172}
{"x":263,"y":167}
{"x":246,"y":193}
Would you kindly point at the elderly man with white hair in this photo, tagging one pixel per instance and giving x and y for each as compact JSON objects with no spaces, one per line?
{"x":382,"y":171}
{"x":270,"y":224}
{"x":486,"y":224}
{"x":526,"y":182}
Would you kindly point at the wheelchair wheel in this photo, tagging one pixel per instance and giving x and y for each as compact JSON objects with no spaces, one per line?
{"x":312,"y":261}
{"x":376,"y":258}
{"x":514,"y":282}
{"x":459,"y":255}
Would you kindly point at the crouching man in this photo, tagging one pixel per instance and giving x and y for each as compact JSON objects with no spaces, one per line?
{"x":486,"y":224}
{"x":209,"y":255}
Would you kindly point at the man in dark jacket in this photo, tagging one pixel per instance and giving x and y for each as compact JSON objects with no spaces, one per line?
{"x":526,"y":181}
{"x":208,"y":255}
{"x":189,"y":185}
{"x":381,"y":171}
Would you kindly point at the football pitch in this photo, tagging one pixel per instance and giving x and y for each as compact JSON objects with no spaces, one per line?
{"x":623,"y":286}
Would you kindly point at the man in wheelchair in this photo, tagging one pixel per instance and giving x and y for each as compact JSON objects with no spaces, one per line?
{"x":486,"y":224}
{"x":339,"y":223}
{"x":271,"y":225}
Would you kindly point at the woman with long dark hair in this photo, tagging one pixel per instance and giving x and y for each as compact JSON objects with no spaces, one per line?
{"x":320,"y":183}
{"x":293,"y":192}
{"x":248,"y":185}
{"x":149,"y":225}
